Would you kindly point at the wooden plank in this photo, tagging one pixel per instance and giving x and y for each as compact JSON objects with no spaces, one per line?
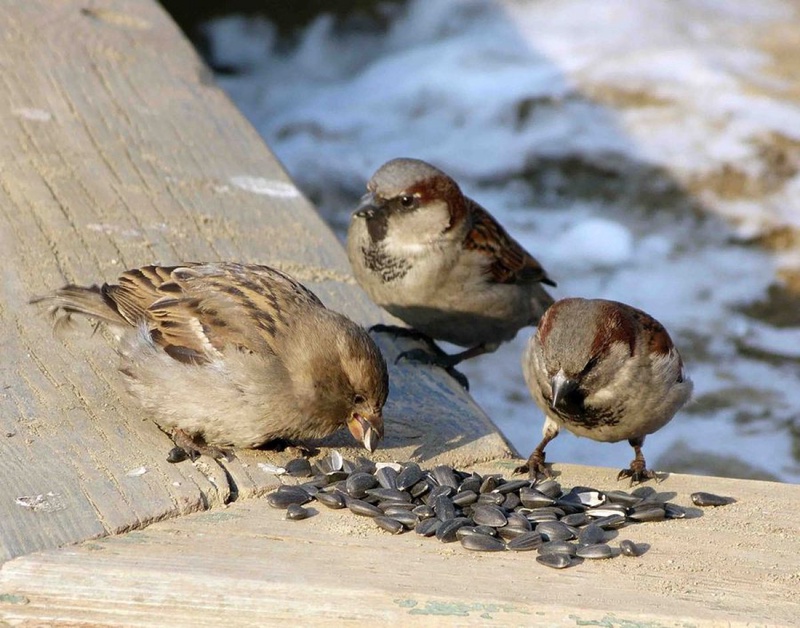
{"x":118,"y":150}
{"x":247,"y":565}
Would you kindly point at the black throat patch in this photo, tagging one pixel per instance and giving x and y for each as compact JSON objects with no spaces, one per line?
{"x":573,"y":411}
{"x":388,"y":267}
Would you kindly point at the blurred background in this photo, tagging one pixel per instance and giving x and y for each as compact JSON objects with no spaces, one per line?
{"x":646,"y":152}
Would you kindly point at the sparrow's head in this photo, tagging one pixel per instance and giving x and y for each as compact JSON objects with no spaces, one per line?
{"x":593,"y":345}
{"x":410,"y":200}
{"x":363,"y":385}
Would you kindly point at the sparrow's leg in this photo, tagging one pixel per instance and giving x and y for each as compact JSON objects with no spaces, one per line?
{"x":535,"y":464}
{"x":403,"y":332}
{"x":638,"y":471}
{"x":440,"y":358}
{"x":192,"y":447}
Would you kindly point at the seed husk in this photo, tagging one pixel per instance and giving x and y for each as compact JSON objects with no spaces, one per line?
{"x":629,"y":548}
{"x":334,"y":501}
{"x":489,"y":516}
{"x":464,"y":498}
{"x":409,"y":476}
{"x":559,"y":547}
{"x":392,"y":526}
{"x":444,"y":508}
{"x":673,"y":511}
{"x":554,"y":560}
{"x":359,"y":483}
{"x":525,"y":542}
{"x":285,"y":496}
{"x":709,"y":499}
{"x":509,"y":533}
{"x":428,"y":527}
{"x":295,"y":512}
{"x":591,"y":534}
{"x":532,"y":498}
{"x":299,"y":468}
{"x":596,"y":551}
{"x":423,"y":511}
{"x":554,"y":531}
{"x":551,"y":488}
{"x":364,"y":509}
{"x":648,"y":512}
{"x":471,"y":483}
{"x":443,"y":475}
{"x":516,"y":520}
{"x":387,"y":477}
{"x":447,"y":531}
{"x":576,"y":519}
{"x":482,"y":543}
{"x":389,"y":495}
{"x":511,"y":485}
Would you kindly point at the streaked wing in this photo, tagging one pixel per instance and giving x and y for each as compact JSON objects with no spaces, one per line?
{"x":202,"y":308}
{"x":509,"y":262}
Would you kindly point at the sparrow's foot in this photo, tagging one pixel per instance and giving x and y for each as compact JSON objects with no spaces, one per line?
{"x":192,"y":447}
{"x":440,"y":359}
{"x":402,"y":332}
{"x":535,"y":466}
{"x":638,"y":473}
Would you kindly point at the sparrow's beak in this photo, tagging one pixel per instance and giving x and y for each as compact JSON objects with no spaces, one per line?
{"x":367,"y":430}
{"x":366,"y":208}
{"x":562,"y":386}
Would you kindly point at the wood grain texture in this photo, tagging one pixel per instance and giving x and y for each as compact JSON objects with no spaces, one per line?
{"x":247,"y":565}
{"x":117,"y":150}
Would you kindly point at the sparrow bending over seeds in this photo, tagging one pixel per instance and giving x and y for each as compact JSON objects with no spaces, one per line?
{"x":235,"y":355}
{"x":603,"y":370}
{"x":441,"y":263}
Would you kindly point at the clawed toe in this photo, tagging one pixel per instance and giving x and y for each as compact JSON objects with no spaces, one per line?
{"x":637,"y":475}
{"x":535,"y":467}
{"x":192,"y":447}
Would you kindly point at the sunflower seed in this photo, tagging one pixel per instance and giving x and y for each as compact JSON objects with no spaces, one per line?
{"x":596,"y":551}
{"x":296,"y":512}
{"x":482,"y":543}
{"x":525,"y":542}
{"x":554,"y":560}
{"x":709,"y":499}
{"x":629,"y":548}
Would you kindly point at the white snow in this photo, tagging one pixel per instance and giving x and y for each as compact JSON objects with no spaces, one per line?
{"x":485,"y":89}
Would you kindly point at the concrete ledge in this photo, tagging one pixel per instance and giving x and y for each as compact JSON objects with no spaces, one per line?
{"x":247,"y":565}
{"x":119,"y":151}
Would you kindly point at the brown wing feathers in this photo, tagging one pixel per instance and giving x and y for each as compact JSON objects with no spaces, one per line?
{"x":510,"y":262}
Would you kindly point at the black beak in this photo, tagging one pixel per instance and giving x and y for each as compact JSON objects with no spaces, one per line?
{"x":562,"y":386}
{"x":366,"y":208}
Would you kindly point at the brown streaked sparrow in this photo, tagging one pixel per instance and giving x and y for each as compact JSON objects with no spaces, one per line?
{"x":603,"y":370}
{"x":441,"y":263}
{"x":235,"y":355}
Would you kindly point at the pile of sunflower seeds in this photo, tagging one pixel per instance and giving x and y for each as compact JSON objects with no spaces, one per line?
{"x":484,"y":513}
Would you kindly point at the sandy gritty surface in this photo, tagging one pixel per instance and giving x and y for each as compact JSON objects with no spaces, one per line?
{"x":734,"y":564}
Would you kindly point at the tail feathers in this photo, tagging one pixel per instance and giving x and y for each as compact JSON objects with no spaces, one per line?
{"x":69,"y":300}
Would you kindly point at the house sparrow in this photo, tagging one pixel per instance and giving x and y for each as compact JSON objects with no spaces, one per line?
{"x":235,"y":355}
{"x":441,"y":263}
{"x":603,"y":370}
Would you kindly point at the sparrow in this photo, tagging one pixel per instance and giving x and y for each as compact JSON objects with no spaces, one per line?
{"x":235,"y":355}
{"x":606,"y":371}
{"x":441,"y":263}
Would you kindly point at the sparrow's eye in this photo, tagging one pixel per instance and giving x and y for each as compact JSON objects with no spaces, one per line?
{"x":589,"y":366}
{"x":408,"y":201}
{"x":358,"y":399}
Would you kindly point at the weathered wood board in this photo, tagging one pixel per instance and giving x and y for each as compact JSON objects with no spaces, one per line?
{"x":247,"y":565}
{"x":117,"y":150}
